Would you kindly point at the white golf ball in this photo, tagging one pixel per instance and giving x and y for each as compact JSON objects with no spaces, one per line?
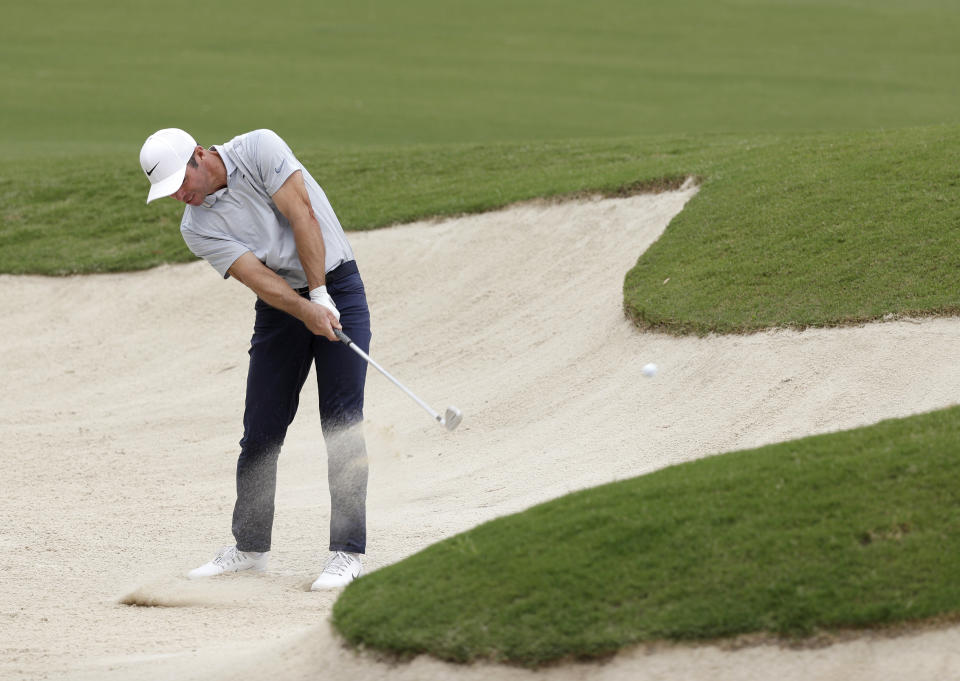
{"x":649,"y":370}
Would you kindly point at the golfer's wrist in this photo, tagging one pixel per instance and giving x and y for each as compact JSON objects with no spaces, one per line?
{"x":319,"y":296}
{"x":318,"y":293}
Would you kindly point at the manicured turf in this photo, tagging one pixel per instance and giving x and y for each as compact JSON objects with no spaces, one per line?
{"x":431,"y":108}
{"x":60,"y":217}
{"x":852,"y":529}
{"x":818,"y":229}
{"x":85,"y":76}
{"x":825,"y":230}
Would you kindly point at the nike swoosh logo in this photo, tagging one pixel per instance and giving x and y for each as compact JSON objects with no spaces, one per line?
{"x":277,"y":169}
{"x":150,"y":172}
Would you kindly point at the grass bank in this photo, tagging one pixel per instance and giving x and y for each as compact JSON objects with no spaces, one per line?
{"x":819,"y":231}
{"x":846,"y":530}
{"x":810,"y":230}
{"x":61,"y":215}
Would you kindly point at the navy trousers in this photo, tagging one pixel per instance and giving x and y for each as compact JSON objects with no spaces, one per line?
{"x":281,"y":352}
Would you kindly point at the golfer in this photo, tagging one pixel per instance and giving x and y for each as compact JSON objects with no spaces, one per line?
{"x":255,"y":214}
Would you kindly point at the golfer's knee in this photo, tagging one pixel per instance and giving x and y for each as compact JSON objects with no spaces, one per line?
{"x":261,"y":447}
{"x":340,"y":420}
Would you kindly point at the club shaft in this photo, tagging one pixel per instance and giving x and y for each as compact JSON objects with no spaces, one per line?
{"x":353,"y":346}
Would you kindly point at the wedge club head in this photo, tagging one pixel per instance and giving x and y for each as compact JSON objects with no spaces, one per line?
{"x":452,"y":418}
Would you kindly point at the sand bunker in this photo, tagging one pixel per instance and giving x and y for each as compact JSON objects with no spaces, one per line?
{"x":122,"y":411}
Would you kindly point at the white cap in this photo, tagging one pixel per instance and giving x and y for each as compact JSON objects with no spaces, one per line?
{"x":163,"y":158}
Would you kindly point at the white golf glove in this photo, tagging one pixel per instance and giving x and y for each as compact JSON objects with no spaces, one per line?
{"x":320,"y":296}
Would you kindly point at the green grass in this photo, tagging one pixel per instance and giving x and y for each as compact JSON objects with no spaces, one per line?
{"x":845,"y":530}
{"x":99,"y":74}
{"x":825,"y":230}
{"x":814,"y":211}
{"x":788,"y":230}
{"x":60,"y":217}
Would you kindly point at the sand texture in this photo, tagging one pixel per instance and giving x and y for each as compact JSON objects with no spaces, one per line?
{"x":121,"y":413}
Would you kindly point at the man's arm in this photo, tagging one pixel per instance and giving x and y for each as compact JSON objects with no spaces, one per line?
{"x":293,"y":201}
{"x":276,"y":292}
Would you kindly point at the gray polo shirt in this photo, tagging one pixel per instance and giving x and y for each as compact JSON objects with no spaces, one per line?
{"x":242,"y":217}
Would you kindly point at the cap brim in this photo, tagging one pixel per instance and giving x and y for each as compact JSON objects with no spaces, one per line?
{"x":167,"y":186}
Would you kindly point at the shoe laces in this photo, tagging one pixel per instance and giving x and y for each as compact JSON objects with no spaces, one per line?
{"x":338,"y":564}
{"x":228,"y":556}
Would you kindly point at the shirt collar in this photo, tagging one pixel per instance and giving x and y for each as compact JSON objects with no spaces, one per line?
{"x":230,"y":168}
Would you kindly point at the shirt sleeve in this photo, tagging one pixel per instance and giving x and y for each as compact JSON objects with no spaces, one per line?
{"x":274,"y":160}
{"x":220,"y":252}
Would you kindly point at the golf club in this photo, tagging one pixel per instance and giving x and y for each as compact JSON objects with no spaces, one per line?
{"x":451,"y":419}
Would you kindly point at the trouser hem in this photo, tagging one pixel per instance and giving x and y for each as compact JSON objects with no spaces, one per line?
{"x":251,"y":549}
{"x":347,"y":548}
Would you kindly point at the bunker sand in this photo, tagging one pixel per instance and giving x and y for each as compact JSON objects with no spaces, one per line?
{"x":122,"y":411}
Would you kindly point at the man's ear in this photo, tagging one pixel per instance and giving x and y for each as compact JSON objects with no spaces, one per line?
{"x":197,"y":156}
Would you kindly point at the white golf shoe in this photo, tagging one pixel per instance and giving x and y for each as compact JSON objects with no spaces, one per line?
{"x":231,"y":560}
{"x":341,"y":569}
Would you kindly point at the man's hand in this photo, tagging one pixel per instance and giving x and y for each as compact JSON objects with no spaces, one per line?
{"x":329,"y":318}
{"x":321,"y":321}
{"x":320,"y":296}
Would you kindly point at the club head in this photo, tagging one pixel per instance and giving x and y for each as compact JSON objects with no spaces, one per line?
{"x":452,"y":418}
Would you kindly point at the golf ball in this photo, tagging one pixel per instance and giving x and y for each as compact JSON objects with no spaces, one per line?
{"x":649,"y":370}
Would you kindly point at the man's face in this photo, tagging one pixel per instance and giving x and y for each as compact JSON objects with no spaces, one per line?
{"x":195,"y":185}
